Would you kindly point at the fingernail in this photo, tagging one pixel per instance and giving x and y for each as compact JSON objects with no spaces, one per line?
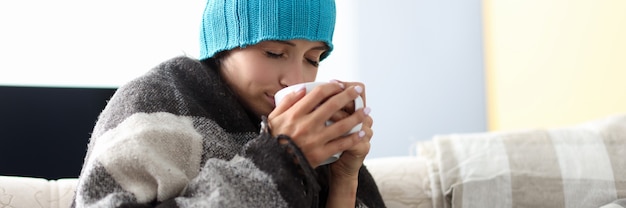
{"x":358,"y":89}
{"x":367,"y":110}
{"x":361,"y":134}
{"x":339,"y":83}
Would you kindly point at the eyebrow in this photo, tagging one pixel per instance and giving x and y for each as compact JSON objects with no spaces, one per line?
{"x":322,"y":48}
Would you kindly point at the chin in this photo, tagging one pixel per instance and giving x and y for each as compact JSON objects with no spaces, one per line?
{"x":261,"y":111}
{"x":264,"y":113}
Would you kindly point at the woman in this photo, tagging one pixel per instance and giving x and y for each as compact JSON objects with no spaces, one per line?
{"x":206,"y":133}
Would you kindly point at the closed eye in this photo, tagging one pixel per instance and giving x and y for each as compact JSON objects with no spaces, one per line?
{"x":273,"y":55}
{"x":313,"y":62}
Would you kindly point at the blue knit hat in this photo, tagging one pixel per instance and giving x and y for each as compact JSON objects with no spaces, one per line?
{"x":228,"y":24}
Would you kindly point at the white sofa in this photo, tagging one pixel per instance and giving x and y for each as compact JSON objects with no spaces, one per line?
{"x":577,"y":166}
{"x":27,"y":192}
{"x":396,"y":176}
{"x":402,"y":182}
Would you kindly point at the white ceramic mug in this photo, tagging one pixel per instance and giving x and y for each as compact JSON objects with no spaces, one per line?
{"x":358,"y":104}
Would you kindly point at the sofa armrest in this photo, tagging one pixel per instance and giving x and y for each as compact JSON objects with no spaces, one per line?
{"x":18,"y":191}
{"x":403,"y":181}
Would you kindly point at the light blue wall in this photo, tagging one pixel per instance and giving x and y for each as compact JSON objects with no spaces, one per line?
{"x":422,"y":62}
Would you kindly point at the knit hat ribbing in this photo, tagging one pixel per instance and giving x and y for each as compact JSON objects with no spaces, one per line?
{"x":228,"y":24}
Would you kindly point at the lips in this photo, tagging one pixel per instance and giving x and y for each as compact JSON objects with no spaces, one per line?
{"x":271,"y":100}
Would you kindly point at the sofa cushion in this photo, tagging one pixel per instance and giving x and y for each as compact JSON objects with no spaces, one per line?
{"x":575,"y":166}
{"x":36,"y":192}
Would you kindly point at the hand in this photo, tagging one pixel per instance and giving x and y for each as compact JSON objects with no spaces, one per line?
{"x":303,"y":118}
{"x":350,"y":107}
{"x":344,"y":176}
{"x":352,"y":159}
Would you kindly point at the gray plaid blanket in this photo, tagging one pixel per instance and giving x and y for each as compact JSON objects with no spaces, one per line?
{"x":578,"y":166}
{"x":178,"y":137}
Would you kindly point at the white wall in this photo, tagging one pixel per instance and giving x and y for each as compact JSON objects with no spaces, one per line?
{"x":92,"y":43}
{"x":421,"y":60}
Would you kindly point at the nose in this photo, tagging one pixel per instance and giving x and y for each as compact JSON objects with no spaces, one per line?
{"x":291,"y":75}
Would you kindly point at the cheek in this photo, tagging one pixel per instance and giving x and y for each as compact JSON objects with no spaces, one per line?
{"x":260,"y":76}
{"x":310,"y":75}
{"x":262,"y":72}
{"x":256,"y":69}
{"x":254,"y":72}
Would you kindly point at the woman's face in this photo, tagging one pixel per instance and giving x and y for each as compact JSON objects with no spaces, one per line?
{"x":257,"y":72}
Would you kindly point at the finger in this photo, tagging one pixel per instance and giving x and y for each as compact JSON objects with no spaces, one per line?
{"x":337,"y":103}
{"x":368,"y":134}
{"x":352,"y":84}
{"x":342,"y":126}
{"x":369,"y":122}
{"x":361,"y":147}
{"x":318,"y":96}
{"x":342,"y":143}
{"x":358,"y":143}
{"x":339,"y":115}
{"x":349,"y":108}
